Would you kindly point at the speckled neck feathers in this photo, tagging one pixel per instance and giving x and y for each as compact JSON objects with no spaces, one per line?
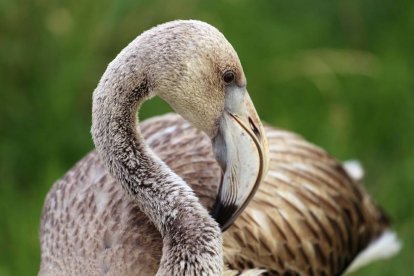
{"x":162,"y":195}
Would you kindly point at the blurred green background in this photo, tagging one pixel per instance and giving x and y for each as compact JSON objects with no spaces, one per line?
{"x":338,"y":72}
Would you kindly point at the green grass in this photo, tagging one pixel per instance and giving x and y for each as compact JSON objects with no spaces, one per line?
{"x":338,"y":72}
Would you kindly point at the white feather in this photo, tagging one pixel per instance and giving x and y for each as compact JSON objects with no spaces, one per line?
{"x":354,"y":169}
{"x":386,"y":246}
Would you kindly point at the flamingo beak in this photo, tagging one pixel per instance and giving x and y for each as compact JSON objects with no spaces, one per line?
{"x":241,"y":150}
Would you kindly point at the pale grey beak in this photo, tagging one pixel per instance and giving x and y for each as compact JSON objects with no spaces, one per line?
{"x":242,"y":152}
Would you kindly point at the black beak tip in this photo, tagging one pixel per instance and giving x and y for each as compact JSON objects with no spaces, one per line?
{"x":224,"y":214}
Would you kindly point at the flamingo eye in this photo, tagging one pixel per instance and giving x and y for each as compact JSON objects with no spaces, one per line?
{"x":229,"y":77}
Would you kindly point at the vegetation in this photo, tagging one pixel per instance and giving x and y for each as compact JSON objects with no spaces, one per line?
{"x":338,"y":72}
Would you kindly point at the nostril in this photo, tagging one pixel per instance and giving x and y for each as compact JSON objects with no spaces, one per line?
{"x":254,"y":128}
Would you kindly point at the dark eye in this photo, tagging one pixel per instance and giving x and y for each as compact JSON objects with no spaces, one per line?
{"x":228,"y":77}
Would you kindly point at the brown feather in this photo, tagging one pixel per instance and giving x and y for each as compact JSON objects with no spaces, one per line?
{"x":308,"y":216}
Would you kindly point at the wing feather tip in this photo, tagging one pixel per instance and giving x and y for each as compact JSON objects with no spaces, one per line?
{"x":386,"y":246}
{"x":354,"y":169}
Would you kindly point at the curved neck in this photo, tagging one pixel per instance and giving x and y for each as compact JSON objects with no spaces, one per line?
{"x":162,"y":195}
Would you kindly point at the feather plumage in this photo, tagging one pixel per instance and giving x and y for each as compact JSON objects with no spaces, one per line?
{"x":308,"y":216}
